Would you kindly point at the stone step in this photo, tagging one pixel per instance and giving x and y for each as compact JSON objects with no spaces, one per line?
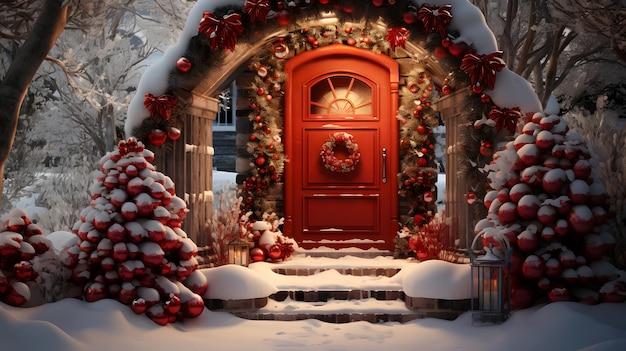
{"x":368,"y":310}
{"x":335,"y":290}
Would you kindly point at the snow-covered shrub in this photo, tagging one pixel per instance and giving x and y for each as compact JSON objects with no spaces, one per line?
{"x":269,"y":242}
{"x":27,"y":261}
{"x":607,"y":141}
{"x":224,"y":227}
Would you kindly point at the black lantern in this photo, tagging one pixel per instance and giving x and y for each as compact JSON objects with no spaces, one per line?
{"x":239,"y":252}
{"x":491,"y":280}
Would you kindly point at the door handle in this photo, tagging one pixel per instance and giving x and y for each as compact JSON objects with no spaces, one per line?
{"x":384,"y":165}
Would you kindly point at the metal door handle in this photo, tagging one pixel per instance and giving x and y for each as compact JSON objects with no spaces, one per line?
{"x":384,"y":165}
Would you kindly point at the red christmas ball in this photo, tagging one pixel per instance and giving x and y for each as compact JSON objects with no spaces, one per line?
{"x":173,"y":133}
{"x":183,"y":65}
{"x":260,"y":161}
{"x":458,"y":49}
{"x":257,"y":254}
{"x":522,"y":297}
{"x":139,"y":305}
{"x":558,"y":294}
{"x":533,"y":267}
{"x":283,"y":18}
{"x":274,"y":252}
{"x":440,"y":52}
{"x":470,"y":197}
{"x":157,"y":137}
{"x":408,"y":17}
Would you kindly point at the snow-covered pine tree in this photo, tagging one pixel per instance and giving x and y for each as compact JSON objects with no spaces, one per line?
{"x":551,"y":205}
{"x":130,"y":245}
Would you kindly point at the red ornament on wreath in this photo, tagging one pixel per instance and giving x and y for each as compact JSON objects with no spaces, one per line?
{"x":331,"y":162}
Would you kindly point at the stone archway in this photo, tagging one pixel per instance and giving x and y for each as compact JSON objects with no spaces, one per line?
{"x":197,"y":92}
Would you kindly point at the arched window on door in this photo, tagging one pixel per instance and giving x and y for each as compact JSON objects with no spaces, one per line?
{"x":341,"y":96}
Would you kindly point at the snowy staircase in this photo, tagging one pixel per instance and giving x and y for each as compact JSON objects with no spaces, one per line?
{"x":341,"y":290}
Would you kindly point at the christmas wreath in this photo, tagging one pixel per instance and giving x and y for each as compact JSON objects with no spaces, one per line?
{"x":331,"y":162}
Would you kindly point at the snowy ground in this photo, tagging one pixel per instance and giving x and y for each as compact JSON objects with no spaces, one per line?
{"x":72,"y":324}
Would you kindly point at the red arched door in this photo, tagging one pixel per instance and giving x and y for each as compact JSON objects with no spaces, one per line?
{"x":333,"y":89}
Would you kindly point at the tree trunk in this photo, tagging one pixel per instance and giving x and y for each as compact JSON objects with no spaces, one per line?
{"x":26,"y":62}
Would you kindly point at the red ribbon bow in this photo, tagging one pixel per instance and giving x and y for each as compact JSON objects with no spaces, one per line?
{"x":506,"y":118}
{"x":257,"y":9}
{"x":397,"y":37}
{"x":222,"y":32}
{"x":159,"y":105}
{"x":435,"y":18}
{"x":482,"y":68}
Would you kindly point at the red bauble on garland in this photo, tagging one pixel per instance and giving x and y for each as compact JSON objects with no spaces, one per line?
{"x":157,"y":137}
{"x":283,"y":18}
{"x":183,"y":65}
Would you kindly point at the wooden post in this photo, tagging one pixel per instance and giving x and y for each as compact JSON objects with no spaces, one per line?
{"x":452,"y":108}
{"x":197,"y":171}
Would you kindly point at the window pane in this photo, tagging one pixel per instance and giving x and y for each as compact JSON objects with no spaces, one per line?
{"x":341,"y":95}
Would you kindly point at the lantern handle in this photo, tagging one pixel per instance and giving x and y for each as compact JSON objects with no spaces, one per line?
{"x":505,"y":241}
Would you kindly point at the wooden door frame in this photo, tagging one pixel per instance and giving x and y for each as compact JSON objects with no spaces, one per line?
{"x":388,"y":64}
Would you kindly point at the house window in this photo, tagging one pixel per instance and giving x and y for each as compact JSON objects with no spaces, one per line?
{"x":340,"y":95}
{"x":225,"y":119}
